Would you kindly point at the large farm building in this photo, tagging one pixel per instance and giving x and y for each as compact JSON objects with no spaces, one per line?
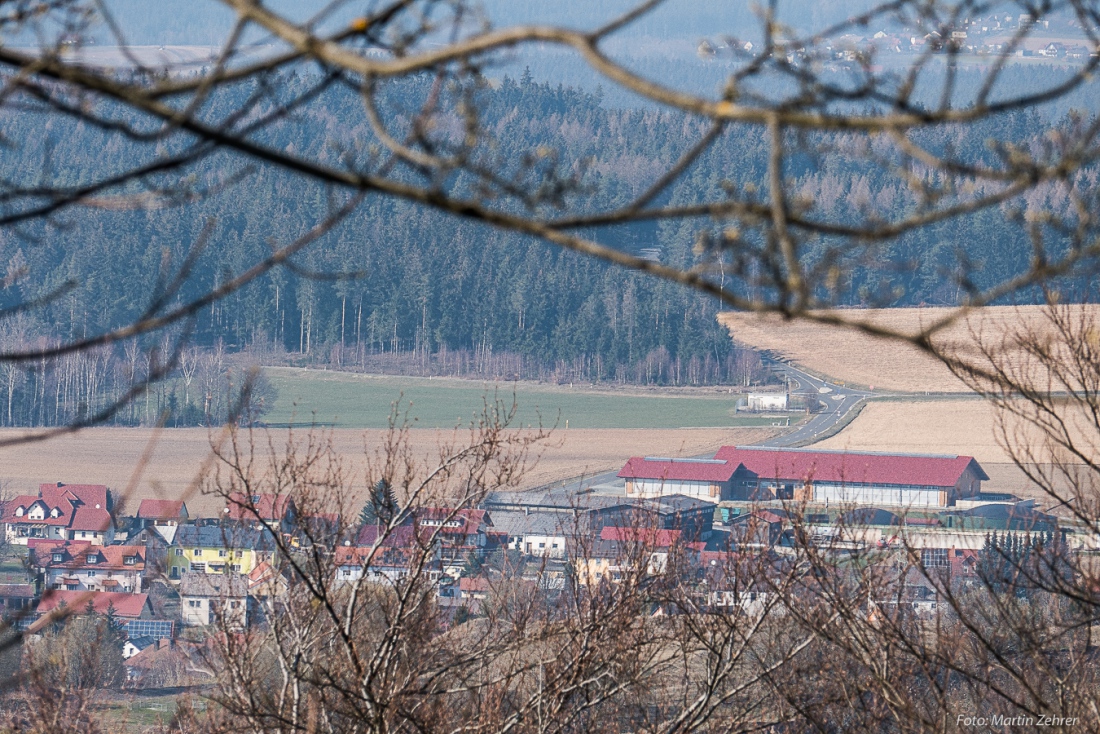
{"x":827,"y":477}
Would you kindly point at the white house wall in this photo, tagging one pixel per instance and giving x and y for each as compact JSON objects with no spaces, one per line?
{"x":540,"y":545}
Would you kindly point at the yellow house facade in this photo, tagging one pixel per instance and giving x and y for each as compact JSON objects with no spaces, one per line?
{"x":218,"y":550}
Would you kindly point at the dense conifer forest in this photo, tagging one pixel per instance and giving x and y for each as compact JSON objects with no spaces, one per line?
{"x":431,"y":292}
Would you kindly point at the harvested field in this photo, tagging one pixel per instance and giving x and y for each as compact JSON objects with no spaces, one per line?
{"x":924,"y":427}
{"x":109,"y":456}
{"x":854,"y":357}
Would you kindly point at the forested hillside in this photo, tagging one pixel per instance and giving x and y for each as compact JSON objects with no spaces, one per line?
{"x":434,"y":290}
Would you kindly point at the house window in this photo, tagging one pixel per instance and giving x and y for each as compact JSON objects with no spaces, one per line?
{"x":236,"y":568}
{"x":193,"y":603}
{"x":91,"y":574}
{"x":554,"y":546}
{"x":221,"y":554}
{"x":58,"y":557}
{"x":179,"y":551}
{"x":198,"y":551}
{"x":934,"y":557}
{"x":198,"y":567}
{"x":234,"y":605}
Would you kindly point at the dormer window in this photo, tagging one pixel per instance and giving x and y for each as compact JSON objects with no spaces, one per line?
{"x":58,"y":557}
{"x":91,"y":558}
{"x":130,"y":560}
{"x":255,"y":499}
{"x":55,"y":512}
{"x":19,"y":511}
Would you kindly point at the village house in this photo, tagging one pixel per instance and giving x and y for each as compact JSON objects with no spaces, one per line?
{"x":272,"y":511}
{"x":124,"y":607}
{"x":81,"y":566}
{"x":391,"y":559}
{"x":169,"y":663}
{"x":621,"y":550}
{"x":16,"y":600}
{"x":208,"y":598}
{"x":163,"y":516}
{"x":60,"y":512}
{"x":457,"y":532}
{"x":535,"y":533}
{"x":266,"y":584}
{"x":218,"y":549}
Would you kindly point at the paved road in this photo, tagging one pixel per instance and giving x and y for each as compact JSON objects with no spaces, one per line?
{"x":839,"y":401}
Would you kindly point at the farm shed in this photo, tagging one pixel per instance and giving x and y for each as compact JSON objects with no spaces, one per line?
{"x":851,"y":477}
{"x":705,"y":479}
{"x":766,"y":402}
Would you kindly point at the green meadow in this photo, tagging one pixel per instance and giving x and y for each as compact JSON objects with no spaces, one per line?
{"x":365,"y":401}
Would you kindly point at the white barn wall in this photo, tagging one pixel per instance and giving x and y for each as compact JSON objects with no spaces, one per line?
{"x":652,"y":488}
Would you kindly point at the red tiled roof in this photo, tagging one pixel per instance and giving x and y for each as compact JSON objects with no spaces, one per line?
{"x":79,"y":506}
{"x":76,"y":554}
{"x":266,"y":507}
{"x":90,"y":518}
{"x":125,"y":605}
{"x":852,"y":467}
{"x":684,"y":470}
{"x":474,"y":584}
{"x":160,"y":509}
{"x":89,"y":494}
{"x":658,"y":538}
{"x":400,"y":537}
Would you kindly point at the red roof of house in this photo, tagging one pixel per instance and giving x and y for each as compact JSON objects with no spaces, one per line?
{"x":474,"y":584}
{"x":656,"y":537}
{"x":266,"y":507}
{"x":125,"y":605}
{"x":684,"y":470}
{"x":75,"y":556}
{"x":853,"y":467}
{"x":400,"y":537}
{"x":79,"y":506}
{"x":161,"y":510}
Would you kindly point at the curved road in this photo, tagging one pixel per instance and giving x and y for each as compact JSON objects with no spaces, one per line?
{"x":838,"y":401}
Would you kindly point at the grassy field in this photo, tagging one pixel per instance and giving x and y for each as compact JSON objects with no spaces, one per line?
{"x":365,"y":401}
{"x":856,"y":358}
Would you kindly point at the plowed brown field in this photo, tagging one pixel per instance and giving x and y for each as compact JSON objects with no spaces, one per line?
{"x":109,"y":456}
{"x":855,"y":357}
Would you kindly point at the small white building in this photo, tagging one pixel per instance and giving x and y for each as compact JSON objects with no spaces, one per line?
{"x":536,"y":533}
{"x":214,"y":598}
{"x":766,"y":402}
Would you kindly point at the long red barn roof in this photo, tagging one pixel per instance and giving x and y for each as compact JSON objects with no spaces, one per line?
{"x":851,"y":467}
{"x":683,"y":470}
